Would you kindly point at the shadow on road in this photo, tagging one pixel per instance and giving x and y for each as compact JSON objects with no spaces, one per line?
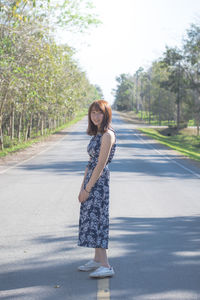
{"x":140,"y":165}
{"x":60,"y":167}
{"x":155,"y":166}
{"x":70,"y":133}
{"x":161,"y":258}
{"x":49,"y":275}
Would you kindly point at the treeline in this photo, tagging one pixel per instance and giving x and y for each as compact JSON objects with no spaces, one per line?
{"x":41,"y":85}
{"x":169,"y":89}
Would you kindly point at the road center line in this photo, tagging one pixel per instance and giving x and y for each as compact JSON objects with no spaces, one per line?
{"x":171,"y":159}
{"x":103,"y":290}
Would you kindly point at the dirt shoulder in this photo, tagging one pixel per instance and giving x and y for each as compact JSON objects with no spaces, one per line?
{"x":130,"y":117}
{"x":14,"y":158}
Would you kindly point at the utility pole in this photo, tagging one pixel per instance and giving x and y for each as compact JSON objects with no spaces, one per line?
{"x":178,"y":97}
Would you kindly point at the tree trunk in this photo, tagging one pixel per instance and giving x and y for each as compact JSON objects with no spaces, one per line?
{"x":19,"y":127}
{"x":28,"y":129}
{"x":49,"y":124}
{"x":1,"y":133}
{"x":178,"y":112}
{"x":42,"y":125}
{"x":159,"y":109}
{"x":178,"y":100}
{"x":30,"y":126}
{"x":38,"y":124}
{"x":54,"y":124}
{"x":149,"y":106}
{"x":12,"y":123}
{"x":137,"y":100}
{"x":198,"y":124}
{"x":26,"y":132}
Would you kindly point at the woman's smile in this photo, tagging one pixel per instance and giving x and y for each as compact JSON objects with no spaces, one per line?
{"x":96,"y":117}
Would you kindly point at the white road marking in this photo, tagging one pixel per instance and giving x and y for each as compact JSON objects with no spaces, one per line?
{"x":103,"y":289}
{"x":171,"y":159}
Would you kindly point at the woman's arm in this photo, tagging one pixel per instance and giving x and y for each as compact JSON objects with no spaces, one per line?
{"x":86,"y":170}
{"x":106,"y":144}
{"x":82,"y":185}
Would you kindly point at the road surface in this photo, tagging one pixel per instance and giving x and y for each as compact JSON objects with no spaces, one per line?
{"x":154,"y":223}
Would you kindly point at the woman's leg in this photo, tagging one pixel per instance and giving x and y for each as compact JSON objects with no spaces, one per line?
{"x":101,"y":256}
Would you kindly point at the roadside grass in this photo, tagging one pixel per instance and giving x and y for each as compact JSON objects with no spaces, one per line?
{"x":23,"y":144}
{"x":189,"y":145}
{"x":191,"y":123}
{"x":154,"y":120}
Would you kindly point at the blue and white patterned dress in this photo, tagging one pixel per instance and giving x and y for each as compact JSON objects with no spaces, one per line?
{"x":94,"y":212}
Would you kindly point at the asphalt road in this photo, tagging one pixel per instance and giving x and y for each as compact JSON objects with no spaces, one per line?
{"x":154,"y":222}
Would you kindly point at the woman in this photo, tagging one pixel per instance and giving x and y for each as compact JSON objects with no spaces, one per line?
{"x":94,"y":193}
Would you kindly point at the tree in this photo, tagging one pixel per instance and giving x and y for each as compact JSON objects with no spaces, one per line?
{"x":137,"y":87}
{"x":99,"y":90}
{"x":170,"y":88}
{"x":163,"y":100}
{"x":41,"y":86}
{"x":72,"y":15}
{"x":173,"y":61}
{"x":124,"y":92}
{"x":192,"y":58}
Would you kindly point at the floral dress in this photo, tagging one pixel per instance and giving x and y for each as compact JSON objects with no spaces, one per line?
{"x":94,"y":212}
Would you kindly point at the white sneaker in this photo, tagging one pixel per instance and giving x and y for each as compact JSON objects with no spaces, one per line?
{"x":102,"y":272}
{"x":89,"y":266}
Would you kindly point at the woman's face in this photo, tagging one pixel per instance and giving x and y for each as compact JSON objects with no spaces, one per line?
{"x":96,"y":117}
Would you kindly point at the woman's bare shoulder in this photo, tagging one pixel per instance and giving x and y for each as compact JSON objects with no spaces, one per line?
{"x":109,"y":136}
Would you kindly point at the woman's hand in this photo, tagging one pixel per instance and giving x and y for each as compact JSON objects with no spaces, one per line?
{"x":83,"y":195}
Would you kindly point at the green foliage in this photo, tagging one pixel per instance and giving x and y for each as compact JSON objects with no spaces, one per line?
{"x":169,"y":90}
{"x":123,"y":93}
{"x":76,"y":15}
{"x":41,"y":85}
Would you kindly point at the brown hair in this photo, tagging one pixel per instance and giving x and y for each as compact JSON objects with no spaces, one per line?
{"x":104,"y":107}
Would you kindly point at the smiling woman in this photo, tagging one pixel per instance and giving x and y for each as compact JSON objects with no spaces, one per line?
{"x":99,"y":117}
{"x":94,"y":193}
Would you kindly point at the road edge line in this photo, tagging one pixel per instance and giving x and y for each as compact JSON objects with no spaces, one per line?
{"x":173,"y":160}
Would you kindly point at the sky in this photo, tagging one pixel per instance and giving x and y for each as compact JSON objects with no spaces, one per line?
{"x":133,"y":34}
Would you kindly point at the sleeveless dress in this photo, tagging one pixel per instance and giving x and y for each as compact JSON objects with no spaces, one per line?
{"x":94,"y":212}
